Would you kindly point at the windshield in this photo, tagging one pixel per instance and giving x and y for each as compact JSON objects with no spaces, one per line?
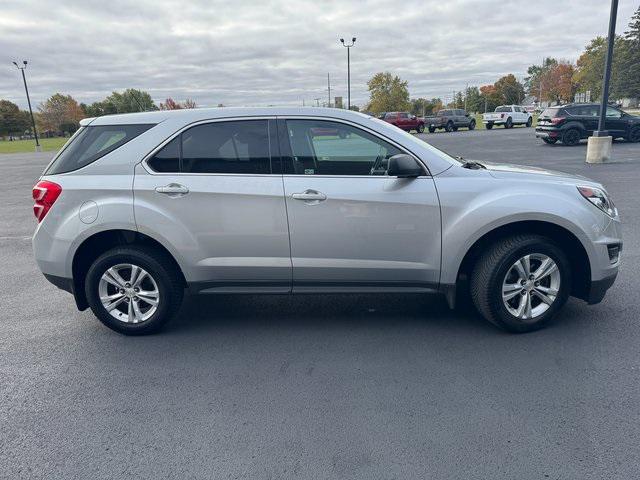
{"x":91,"y":143}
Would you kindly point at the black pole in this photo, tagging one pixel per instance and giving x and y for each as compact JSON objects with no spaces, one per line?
{"x":348,"y":79}
{"x":601,"y":132}
{"x":33,"y":120}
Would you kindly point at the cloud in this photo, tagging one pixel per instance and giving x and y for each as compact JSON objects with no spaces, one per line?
{"x":279,"y":52}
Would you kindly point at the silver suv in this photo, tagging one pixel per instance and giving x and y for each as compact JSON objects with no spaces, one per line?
{"x":137,"y":208}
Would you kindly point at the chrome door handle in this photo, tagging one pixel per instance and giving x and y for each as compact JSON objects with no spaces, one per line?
{"x":310,"y":196}
{"x":173,"y":190}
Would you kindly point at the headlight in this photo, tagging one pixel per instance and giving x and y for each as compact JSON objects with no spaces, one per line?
{"x":600,"y":199}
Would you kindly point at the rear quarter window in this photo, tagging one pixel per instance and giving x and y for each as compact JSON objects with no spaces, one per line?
{"x":91,"y":143}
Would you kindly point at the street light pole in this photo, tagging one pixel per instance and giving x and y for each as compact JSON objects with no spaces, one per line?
{"x":26,"y":89}
{"x":348,"y":46}
{"x":329,"y":90}
{"x":601,"y":132}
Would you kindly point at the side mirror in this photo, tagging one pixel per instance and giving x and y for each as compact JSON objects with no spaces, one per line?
{"x":467,"y":115}
{"x":404,"y":166}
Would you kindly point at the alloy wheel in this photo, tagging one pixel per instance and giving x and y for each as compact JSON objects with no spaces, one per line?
{"x":530,"y":286}
{"x":129,"y":293}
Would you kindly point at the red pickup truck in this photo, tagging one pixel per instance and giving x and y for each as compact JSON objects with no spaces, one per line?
{"x":405,"y":121}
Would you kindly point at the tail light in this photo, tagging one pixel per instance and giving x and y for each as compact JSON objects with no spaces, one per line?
{"x":45,"y":194}
{"x":558,"y":120}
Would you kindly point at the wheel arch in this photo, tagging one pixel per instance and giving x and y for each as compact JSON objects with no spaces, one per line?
{"x":562,"y":236}
{"x":96,"y":244}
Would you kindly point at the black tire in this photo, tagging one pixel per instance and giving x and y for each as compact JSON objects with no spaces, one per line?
{"x":550,"y":141}
{"x":634,"y":134}
{"x":420,"y":128}
{"x":508,"y":123}
{"x":489,"y":126}
{"x":449,"y":127}
{"x":529,"y":122}
{"x":159,"y":266}
{"x":571,"y":137}
{"x":455,"y":129}
{"x":494,"y":265}
{"x":472,"y":125}
{"x":432,"y":129}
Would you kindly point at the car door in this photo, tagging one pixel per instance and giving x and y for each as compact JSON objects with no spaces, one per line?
{"x":403,"y":120}
{"x":211,"y":196}
{"x":615,"y":122}
{"x":353,"y":227}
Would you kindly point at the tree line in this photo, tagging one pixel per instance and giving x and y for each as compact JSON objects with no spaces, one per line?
{"x":61,"y":114}
{"x":554,"y":81}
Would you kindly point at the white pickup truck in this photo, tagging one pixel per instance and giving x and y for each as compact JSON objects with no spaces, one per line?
{"x":507,"y":115}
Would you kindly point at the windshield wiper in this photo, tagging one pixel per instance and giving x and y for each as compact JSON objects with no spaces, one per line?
{"x":471,"y":164}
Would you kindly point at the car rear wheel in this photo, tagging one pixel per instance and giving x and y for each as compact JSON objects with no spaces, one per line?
{"x":449,"y":127}
{"x":634,"y":134}
{"x":529,"y":122}
{"x":489,"y":126}
{"x":134,"y":291}
{"x":550,"y":141}
{"x":521,"y":282}
{"x":571,"y":137}
{"x":472,"y":125}
{"x":508,"y":123}
{"x":432,"y":129}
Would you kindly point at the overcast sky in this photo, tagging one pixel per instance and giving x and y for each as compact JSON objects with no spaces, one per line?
{"x":244,"y":52}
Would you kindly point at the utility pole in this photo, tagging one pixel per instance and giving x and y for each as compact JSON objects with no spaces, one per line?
{"x":466,"y":94}
{"x":599,"y":145}
{"x":317,"y":101}
{"x":329,"y":90}
{"x":26,"y":89}
{"x":348,"y":46}
{"x":602,"y":132}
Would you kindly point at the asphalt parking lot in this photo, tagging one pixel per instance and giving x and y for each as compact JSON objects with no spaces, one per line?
{"x":322,"y":387}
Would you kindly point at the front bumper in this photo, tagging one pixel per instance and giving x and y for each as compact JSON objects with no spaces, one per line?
{"x":598,"y":288}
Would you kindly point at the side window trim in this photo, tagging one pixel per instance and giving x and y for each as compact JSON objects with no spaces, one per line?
{"x":287,"y":155}
{"x":270,"y":123}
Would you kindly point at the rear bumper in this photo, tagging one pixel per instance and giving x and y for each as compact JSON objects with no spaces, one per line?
{"x":67,"y":285}
{"x":547,"y":133}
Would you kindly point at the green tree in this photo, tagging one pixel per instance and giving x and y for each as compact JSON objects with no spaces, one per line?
{"x":509,"y":90}
{"x":423,"y":106}
{"x":626,"y":82}
{"x":388,"y":93}
{"x":129,"y":101}
{"x":475,"y":102}
{"x":60,"y":113}
{"x":13,"y":121}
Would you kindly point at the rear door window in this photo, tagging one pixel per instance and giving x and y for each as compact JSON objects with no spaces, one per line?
{"x":92,"y":143}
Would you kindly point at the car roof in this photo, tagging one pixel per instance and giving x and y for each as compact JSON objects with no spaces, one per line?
{"x":197,"y":114}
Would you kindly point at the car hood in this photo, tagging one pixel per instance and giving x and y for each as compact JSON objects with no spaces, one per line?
{"x":505,"y":171}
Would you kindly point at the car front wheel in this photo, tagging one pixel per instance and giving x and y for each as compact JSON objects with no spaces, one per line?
{"x":420,"y":128}
{"x":489,"y":126}
{"x":472,"y":125}
{"x":134,"y":291}
{"x":521,"y":282}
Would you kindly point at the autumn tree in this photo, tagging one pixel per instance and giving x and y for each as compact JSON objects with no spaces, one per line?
{"x":387,"y":93}
{"x":490,"y":97}
{"x":557,"y":83}
{"x":536,"y":72}
{"x":171,"y":104}
{"x":13,"y":121}
{"x":60,"y":113}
